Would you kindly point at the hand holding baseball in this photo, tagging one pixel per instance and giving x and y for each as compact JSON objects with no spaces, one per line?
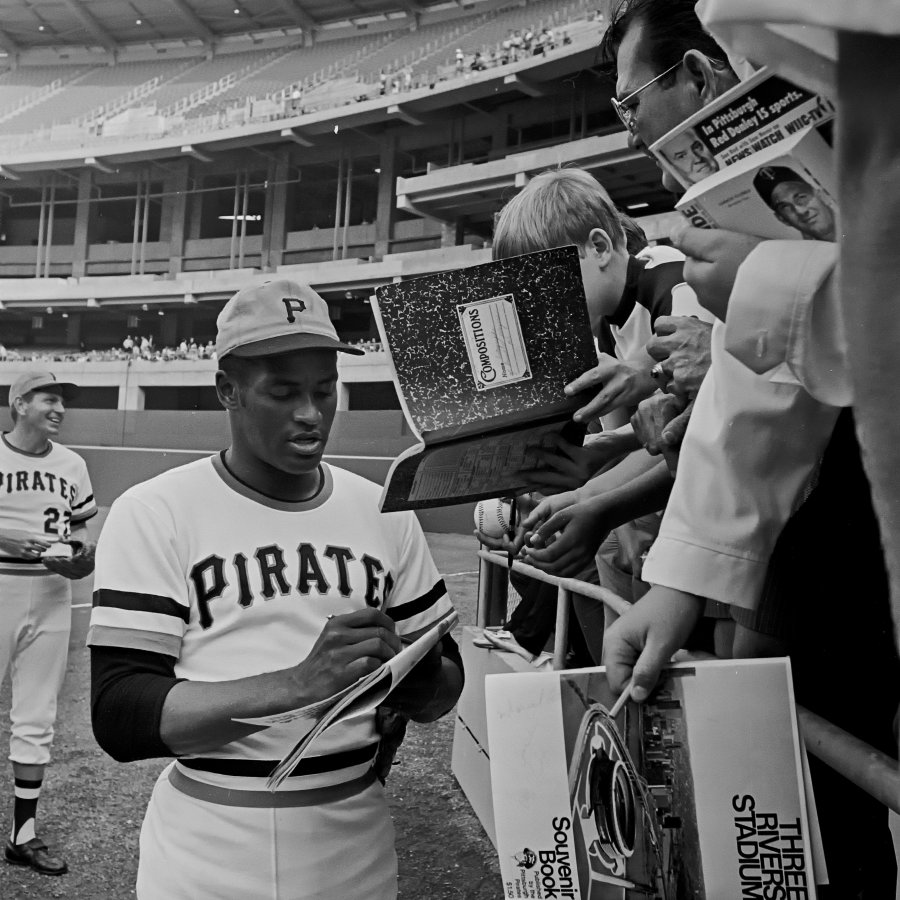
{"x":493,"y":518}
{"x":493,"y":526}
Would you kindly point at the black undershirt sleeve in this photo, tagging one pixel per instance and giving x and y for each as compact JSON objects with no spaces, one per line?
{"x":128,"y":689}
{"x":450,"y":650}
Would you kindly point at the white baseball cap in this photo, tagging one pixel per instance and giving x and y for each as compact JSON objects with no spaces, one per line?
{"x":274,"y":318}
{"x":40,"y":381}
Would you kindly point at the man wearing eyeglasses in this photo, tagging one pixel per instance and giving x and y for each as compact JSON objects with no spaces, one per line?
{"x":759,"y":437}
{"x":665,"y":72}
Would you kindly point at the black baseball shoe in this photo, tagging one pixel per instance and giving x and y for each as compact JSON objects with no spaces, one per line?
{"x":36,"y":855}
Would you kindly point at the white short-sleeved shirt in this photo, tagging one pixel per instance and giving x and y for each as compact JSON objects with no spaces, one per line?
{"x":198,"y":566}
{"x":750,"y":450}
{"x":44,"y":494}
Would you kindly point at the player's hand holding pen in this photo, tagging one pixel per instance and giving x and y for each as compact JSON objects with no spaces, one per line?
{"x":348,"y":648}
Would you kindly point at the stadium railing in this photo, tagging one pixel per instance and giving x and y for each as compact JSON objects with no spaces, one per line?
{"x":868,"y":768}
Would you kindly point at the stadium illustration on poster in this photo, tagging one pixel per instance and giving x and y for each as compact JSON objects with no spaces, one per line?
{"x":697,"y":794}
{"x":632,"y":793}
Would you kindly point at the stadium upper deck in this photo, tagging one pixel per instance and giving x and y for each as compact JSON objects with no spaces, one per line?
{"x":179,"y":219}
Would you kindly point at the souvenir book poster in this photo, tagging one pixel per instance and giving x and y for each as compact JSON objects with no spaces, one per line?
{"x":752,"y":116}
{"x":787,"y":192}
{"x":695,"y":795}
{"x":497,"y":341}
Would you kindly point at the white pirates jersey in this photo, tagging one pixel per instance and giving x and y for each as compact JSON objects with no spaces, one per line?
{"x":44,"y":494}
{"x":230,"y":583}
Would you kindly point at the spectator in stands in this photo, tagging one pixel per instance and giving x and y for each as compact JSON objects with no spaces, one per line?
{"x":128,"y":344}
{"x":460,"y":61}
{"x":4,"y":353}
{"x":548,"y":39}
{"x":478,"y":63}
{"x":528,"y":41}
{"x":515,"y":45}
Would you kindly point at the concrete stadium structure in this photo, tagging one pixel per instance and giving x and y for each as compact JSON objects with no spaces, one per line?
{"x":105,"y":232}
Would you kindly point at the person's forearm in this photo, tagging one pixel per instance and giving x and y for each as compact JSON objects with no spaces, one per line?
{"x":645,"y":494}
{"x":633,"y":466}
{"x":642,"y":362}
{"x":197,"y":716}
{"x":868,"y":142}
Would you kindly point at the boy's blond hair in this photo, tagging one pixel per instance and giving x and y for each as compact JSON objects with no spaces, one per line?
{"x":556,"y":208}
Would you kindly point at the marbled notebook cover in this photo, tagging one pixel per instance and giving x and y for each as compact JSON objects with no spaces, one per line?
{"x":420,"y":319}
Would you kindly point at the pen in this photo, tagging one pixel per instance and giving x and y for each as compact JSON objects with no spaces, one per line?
{"x":511,"y":531}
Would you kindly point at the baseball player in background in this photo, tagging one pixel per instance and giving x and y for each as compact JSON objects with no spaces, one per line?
{"x":45,"y":500}
{"x":249,"y":583}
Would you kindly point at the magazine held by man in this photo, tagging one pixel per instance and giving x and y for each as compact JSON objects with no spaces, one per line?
{"x":754,"y":115}
{"x":697,"y":793}
{"x":480,"y":357}
{"x":786,"y":192}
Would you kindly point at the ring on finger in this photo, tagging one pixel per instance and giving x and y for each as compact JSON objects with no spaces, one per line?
{"x":657,"y":371}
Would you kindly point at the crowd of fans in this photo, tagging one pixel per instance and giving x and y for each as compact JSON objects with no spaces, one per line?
{"x":518,"y":44}
{"x":721,"y":489}
{"x":137,"y":347}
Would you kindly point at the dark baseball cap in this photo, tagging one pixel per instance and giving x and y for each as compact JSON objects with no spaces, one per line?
{"x":41,"y":381}
{"x":276,"y":317}
{"x":769,"y":177}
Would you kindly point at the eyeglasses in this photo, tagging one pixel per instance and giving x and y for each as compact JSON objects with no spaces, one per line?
{"x":625,"y":112}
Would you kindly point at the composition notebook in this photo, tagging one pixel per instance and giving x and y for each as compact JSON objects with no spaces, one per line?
{"x":480,"y":357}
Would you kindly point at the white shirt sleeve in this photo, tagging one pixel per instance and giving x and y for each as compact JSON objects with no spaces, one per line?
{"x":751,"y":448}
{"x":795,"y":38}
{"x":419,"y":598}
{"x":141,"y":598}
{"x":84,"y":506}
{"x":784,"y":318}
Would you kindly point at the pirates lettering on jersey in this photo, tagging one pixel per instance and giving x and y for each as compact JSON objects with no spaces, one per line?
{"x":35,"y":480}
{"x":268,"y":571}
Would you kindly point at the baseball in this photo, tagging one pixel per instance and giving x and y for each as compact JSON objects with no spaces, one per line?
{"x":493,"y":517}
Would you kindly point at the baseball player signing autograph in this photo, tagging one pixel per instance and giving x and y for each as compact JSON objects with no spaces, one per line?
{"x":45,"y":500}
{"x":253,"y":582}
